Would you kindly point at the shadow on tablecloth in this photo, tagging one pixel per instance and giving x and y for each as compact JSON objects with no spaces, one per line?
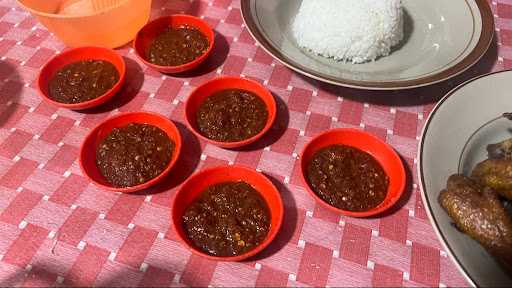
{"x":404,"y":199}
{"x":44,"y":275}
{"x":194,"y":7}
{"x":165,"y":7}
{"x":416,"y":96}
{"x":276,"y":131}
{"x":218,"y":56}
{"x":184,"y":167}
{"x":11,"y":87}
{"x":131,"y":87}
{"x":288,"y":227}
{"x":15,"y":279}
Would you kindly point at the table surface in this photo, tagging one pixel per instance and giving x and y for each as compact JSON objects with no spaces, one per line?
{"x":58,"y":229}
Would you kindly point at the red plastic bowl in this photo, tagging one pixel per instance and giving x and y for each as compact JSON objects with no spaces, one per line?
{"x":202,"y":92}
{"x":196,"y":184}
{"x":148,"y":33}
{"x":381,"y":151}
{"x":93,"y":139}
{"x":79,"y":54}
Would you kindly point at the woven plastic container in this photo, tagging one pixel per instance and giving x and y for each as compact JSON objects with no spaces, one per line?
{"x":105,"y":23}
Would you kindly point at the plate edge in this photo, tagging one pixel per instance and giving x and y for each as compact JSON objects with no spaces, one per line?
{"x":419,"y":168}
{"x":482,"y":46}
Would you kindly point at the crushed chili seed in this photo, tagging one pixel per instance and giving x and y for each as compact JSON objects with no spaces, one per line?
{"x":347,"y":178}
{"x":177,"y":46}
{"x":232,"y":115}
{"x":82,"y":81}
{"x":134,"y":154}
{"x":227,"y":219}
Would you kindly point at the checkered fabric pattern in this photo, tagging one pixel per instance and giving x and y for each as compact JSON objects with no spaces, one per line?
{"x":58,"y":229}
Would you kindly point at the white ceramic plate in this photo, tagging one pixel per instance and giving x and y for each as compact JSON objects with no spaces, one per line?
{"x":454,"y":140}
{"x":443,"y":39}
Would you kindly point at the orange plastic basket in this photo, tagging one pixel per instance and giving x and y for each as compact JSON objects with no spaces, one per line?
{"x":106,"y":23}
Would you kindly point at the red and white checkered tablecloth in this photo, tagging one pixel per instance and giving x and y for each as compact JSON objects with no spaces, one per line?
{"x":58,"y":229}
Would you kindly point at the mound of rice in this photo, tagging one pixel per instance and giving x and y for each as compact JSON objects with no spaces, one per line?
{"x":351,"y":30}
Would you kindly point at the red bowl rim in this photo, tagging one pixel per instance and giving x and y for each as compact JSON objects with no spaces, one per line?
{"x":89,"y":103}
{"x":374,"y":211}
{"x":237,"y":144}
{"x":183,"y":67}
{"x":144,"y":185}
{"x":270,"y":237}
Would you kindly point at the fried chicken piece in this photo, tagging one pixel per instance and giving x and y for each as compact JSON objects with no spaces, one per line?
{"x":502,"y":150}
{"x":478,"y":212}
{"x":496,"y":174}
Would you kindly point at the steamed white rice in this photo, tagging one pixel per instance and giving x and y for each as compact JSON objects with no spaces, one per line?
{"x":351,"y":30}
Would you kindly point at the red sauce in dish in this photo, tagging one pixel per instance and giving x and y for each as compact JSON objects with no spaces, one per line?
{"x":134,"y":154}
{"x":177,"y":46}
{"x":228,"y":219}
{"x":232,"y":115}
{"x":347,"y":178}
{"x":82,"y":81}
